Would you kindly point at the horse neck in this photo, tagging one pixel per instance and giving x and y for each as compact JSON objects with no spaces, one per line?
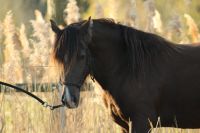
{"x":111,"y":61}
{"x":109,"y":56}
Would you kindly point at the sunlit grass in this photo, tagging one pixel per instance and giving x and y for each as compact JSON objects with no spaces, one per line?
{"x":21,"y":114}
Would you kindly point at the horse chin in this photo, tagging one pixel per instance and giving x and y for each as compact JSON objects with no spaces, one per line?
{"x":70,"y":97}
{"x":71,"y":105}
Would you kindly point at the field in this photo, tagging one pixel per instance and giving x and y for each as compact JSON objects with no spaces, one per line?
{"x":26,"y":43}
{"x":21,"y":114}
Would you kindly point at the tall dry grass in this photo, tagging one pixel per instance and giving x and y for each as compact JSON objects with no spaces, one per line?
{"x":42,"y":42}
{"x":157,"y":22}
{"x":50,"y":9}
{"x":131,"y":14}
{"x":12,"y":60}
{"x":193,"y":30}
{"x":25,"y":52}
{"x":21,"y":114}
{"x":1,"y":43}
{"x":71,"y":12}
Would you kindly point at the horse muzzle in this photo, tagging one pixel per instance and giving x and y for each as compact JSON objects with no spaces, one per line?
{"x":70,"y":96}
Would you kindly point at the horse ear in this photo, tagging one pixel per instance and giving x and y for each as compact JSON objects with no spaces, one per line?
{"x":87,"y":26}
{"x":55,"y":28}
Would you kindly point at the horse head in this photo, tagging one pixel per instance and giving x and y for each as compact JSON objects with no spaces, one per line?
{"x":71,"y":51}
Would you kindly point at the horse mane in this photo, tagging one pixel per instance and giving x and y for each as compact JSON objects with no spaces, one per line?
{"x":107,"y":21}
{"x":146,"y":50}
{"x":66,"y":46}
{"x":143,"y":49}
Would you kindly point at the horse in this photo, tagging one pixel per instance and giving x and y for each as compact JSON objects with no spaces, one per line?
{"x":147,"y":75}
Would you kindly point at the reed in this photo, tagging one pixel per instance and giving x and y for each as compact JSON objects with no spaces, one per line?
{"x":71,"y":12}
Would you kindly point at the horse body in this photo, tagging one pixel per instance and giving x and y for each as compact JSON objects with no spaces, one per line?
{"x":167,"y":92}
{"x":147,"y":76}
{"x":179,"y":103}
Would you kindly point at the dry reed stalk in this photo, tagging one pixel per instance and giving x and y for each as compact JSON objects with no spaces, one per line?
{"x":130,"y":126}
{"x":12,"y":65}
{"x":132,"y":14}
{"x":157,"y":22}
{"x":26,"y":52}
{"x":149,"y":6}
{"x":50,"y":9}
{"x":1,"y":32}
{"x":174,"y":30}
{"x":1,"y":44}
{"x":41,"y":40}
{"x":193,"y":30}
{"x":71,"y":12}
{"x":42,"y":45}
{"x":98,"y":10}
{"x":113,"y":7}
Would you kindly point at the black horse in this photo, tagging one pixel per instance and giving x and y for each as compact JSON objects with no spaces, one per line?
{"x":148,"y":76}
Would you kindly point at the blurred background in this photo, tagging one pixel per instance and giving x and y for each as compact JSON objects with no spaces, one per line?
{"x":26,"y":43}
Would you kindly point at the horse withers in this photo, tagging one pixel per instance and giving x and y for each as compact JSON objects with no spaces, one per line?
{"x":147,"y":76}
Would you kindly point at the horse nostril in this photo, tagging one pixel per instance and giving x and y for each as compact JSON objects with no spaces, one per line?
{"x":74,"y":99}
{"x":64,"y":100}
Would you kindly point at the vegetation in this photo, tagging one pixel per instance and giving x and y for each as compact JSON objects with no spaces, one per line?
{"x":26,"y":41}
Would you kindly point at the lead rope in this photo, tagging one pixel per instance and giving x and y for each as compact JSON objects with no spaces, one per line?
{"x":45,"y":104}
